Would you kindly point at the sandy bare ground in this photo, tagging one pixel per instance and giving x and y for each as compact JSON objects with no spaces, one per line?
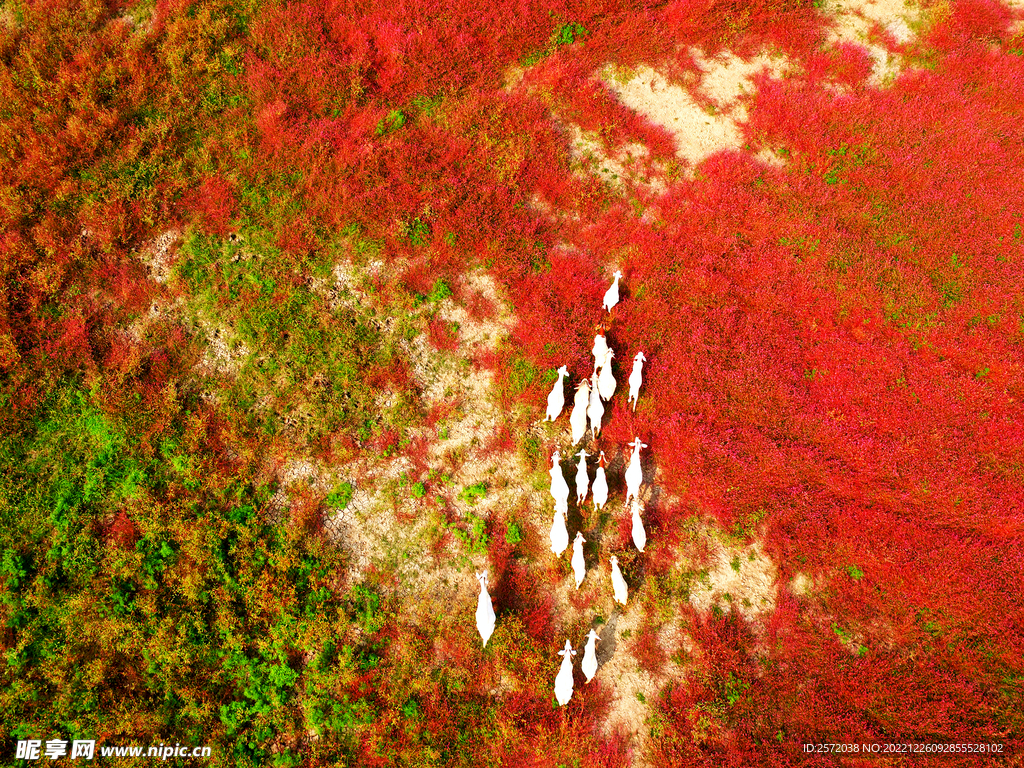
{"x":856,"y":19}
{"x":706,"y":118}
{"x":699,"y":131}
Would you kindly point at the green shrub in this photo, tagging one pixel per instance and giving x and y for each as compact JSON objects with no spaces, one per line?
{"x":340,"y":496}
{"x":394,"y":121}
{"x":568,"y":33}
{"x":475,"y":539}
{"x":477,"y":526}
{"x":440,"y":291}
{"x":521,"y":375}
{"x":471,"y":494}
{"x":513,"y":534}
{"x":366,"y":607}
{"x":417,"y":230}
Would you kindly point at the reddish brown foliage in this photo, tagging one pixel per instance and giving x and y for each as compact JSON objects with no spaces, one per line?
{"x":212,"y":205}
{"x":519,"y":593}
{"x":122,"y":531}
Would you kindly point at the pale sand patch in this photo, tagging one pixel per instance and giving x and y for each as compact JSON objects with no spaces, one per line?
{"x":224,"y":353}
{"x":628,"y":162}
{"x":158,"y":254}
{"x":727,"y":77}
{"x":896,"y":16}
{"x":801,"y":585}
{"x":481,"y":332}
{"x":512,"y":76}
{"x":7,"y":17}
{"x":369,"y":528}
{"x":1016,"y":26}
{"x":628,"y":714}
{"x":449,"y":378}
{"x":446,"y":378}
{"x":745,"y":574}
{"x":346,"y":291}
{"x":854,"y":20}
{"x":161,"y":310}
{"x":296,"y":471}
{"x":588,"y":151}
{"x":698,"y":131}
{"x":350,"y":528}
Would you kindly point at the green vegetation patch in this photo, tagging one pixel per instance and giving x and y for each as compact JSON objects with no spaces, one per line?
{"x":131,"y":592}
{"x":298,"y":361}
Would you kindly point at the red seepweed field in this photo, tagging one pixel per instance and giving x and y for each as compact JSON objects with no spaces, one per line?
{"x":285,"y":288}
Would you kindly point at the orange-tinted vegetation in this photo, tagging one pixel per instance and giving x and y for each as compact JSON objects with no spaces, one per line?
{"x":232,"y":233}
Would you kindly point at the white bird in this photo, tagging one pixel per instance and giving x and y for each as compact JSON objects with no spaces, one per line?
{"x":596,"y":408}
{"x":639,"y":534}
{"x":484,"y":610}
{"x":600,"y":349}
{"x":600,"y":487}
{"x":559,"y":534}
{"x":559,"y":488}
{"x":556,"y":399}
{"x":579,"y":565}
{"x":589,"y":665}
{"x":582,"y":479}
{"x":578,"y":417}
{"x":563,"y":682}
{"x":606,"y":380}
{"x":634,"y":474}
{"x":635,"y":378}
{"x":618,"y":583}
{"x":611,"y":296}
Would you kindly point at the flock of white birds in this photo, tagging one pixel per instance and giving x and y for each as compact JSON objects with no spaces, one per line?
{"x":587,"y":406}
